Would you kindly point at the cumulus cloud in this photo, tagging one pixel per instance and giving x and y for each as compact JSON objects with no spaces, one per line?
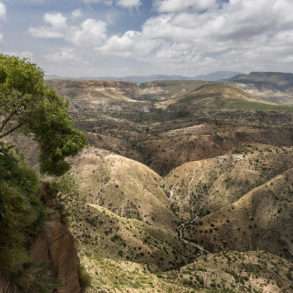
{"x":22,"y":54}
{"x":44,"y":32}
{"x":56,"y":20}
{"x":121,"y":3}
{"x":2,"y":16}
{"x":55,"y":27}
{"x":130,"y":44}
{"x":180,"y":36}
{"x":200,"y":33}
{"x":129,"y":3}
{"x":182,"y":5}
{"x":2,"y":10}
{"x":61,"y":55}
{"x":107,"y":2}
{"x":89,"y":32}
{"x":76,"y":13}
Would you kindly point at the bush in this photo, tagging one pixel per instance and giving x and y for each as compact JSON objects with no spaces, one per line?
{"x":21,"y":212}
{"x":84,"y":278}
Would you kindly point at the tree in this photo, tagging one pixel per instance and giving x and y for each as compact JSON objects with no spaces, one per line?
{"x":27,"y":104}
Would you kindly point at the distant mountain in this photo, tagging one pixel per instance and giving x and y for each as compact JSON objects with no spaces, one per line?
{"x":217,"y":76}
{"x":150,"y":78}
{"x":266,"y":80}
{"x":132,"y":78}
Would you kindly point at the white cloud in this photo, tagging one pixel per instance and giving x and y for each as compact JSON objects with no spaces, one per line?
{"x":2,"y":16}
{"x":130,"y":44}
{"x":129,"y":3}
{"x":106,"y":2}
{"x":56,"y":25}
{"x":2,"y":10}
{"x":22,"y":54}
{"x":257,"y":32}
{"x":183,"y":5}
{"x":91,"y":33}
{"x":185,"y":36}
{"x":61,"y":55}
{"x":76,"y":13}
{"x":57,"y":20}
{"x":121,"y":3}
{"x":44,"y":32}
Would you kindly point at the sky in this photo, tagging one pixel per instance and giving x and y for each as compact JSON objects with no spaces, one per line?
{"x":94,"y":38}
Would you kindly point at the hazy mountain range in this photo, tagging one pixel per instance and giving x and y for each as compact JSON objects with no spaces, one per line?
{"x":214,"y":76}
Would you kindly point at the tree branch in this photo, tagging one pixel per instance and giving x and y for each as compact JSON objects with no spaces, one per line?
{"x":7,"y":119}
{"x":11,"y":130}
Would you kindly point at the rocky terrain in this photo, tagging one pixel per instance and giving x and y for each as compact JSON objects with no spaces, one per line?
{"x":167,"y":123}
{"x":185,"y":186}
{"x":218,"y":180}
{"x":275,"y":87}
{"x":132,"y":239}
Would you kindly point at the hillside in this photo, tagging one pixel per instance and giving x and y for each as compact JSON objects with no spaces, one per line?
{"x":215,"y":96}
{"x":164,"y":124}
{"x":146,"y":146}
{"x":182,"y":180}
{"x":123,"y":186}
{"x":120,"y":218}
{"x":114,"y":241}
{"x":274,"y":79}
{"x":275,"y":87}
{"x":260,"y":219}
{"x":233,"y":271}
{"x":202,"y":187}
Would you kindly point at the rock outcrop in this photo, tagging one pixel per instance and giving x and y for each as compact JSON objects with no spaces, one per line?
{"x":55,"y":247}
{"x":6,"y":286}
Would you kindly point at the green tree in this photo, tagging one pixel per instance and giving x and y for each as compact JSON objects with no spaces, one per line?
{"x":27,"y":104}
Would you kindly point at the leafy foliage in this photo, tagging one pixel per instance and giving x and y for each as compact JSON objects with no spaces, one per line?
{"x":21,"y":212}
{"x":28,"y":104}
{"x":84,"y":278}
{"x":37,"y":278}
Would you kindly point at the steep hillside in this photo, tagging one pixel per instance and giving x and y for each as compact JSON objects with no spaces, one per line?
{"x":164,"y":124}
{"x":227,"y":157}
{"x":277,"y":80}
{"x":276,"y":87}
{"x":125,"y":187}
{"x":202,"y":187}
{"x":217,"y":96}
{"x":37,"y":250}
{"x":168,"y":90}
{"x":170,"y":149}
{"x":260,"y":219}
{"x":127,"y":235}
{"x":220,"y":220}
{"x":119,"y":215}
{"x":232,"y":271}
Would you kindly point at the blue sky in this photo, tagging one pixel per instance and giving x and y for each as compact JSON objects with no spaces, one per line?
{"x":91,"y":38}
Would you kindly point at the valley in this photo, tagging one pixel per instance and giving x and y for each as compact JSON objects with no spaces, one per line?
{"x":180,"y":180}
{"x":146,"y":146}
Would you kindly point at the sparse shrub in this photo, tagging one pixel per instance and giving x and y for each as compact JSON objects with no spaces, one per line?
{"x":21,"y":211}
{"x":84,"y":278}
{"x":36,"y":278}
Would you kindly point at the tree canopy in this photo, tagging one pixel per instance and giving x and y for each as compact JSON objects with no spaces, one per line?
{"x":29,"y":105}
